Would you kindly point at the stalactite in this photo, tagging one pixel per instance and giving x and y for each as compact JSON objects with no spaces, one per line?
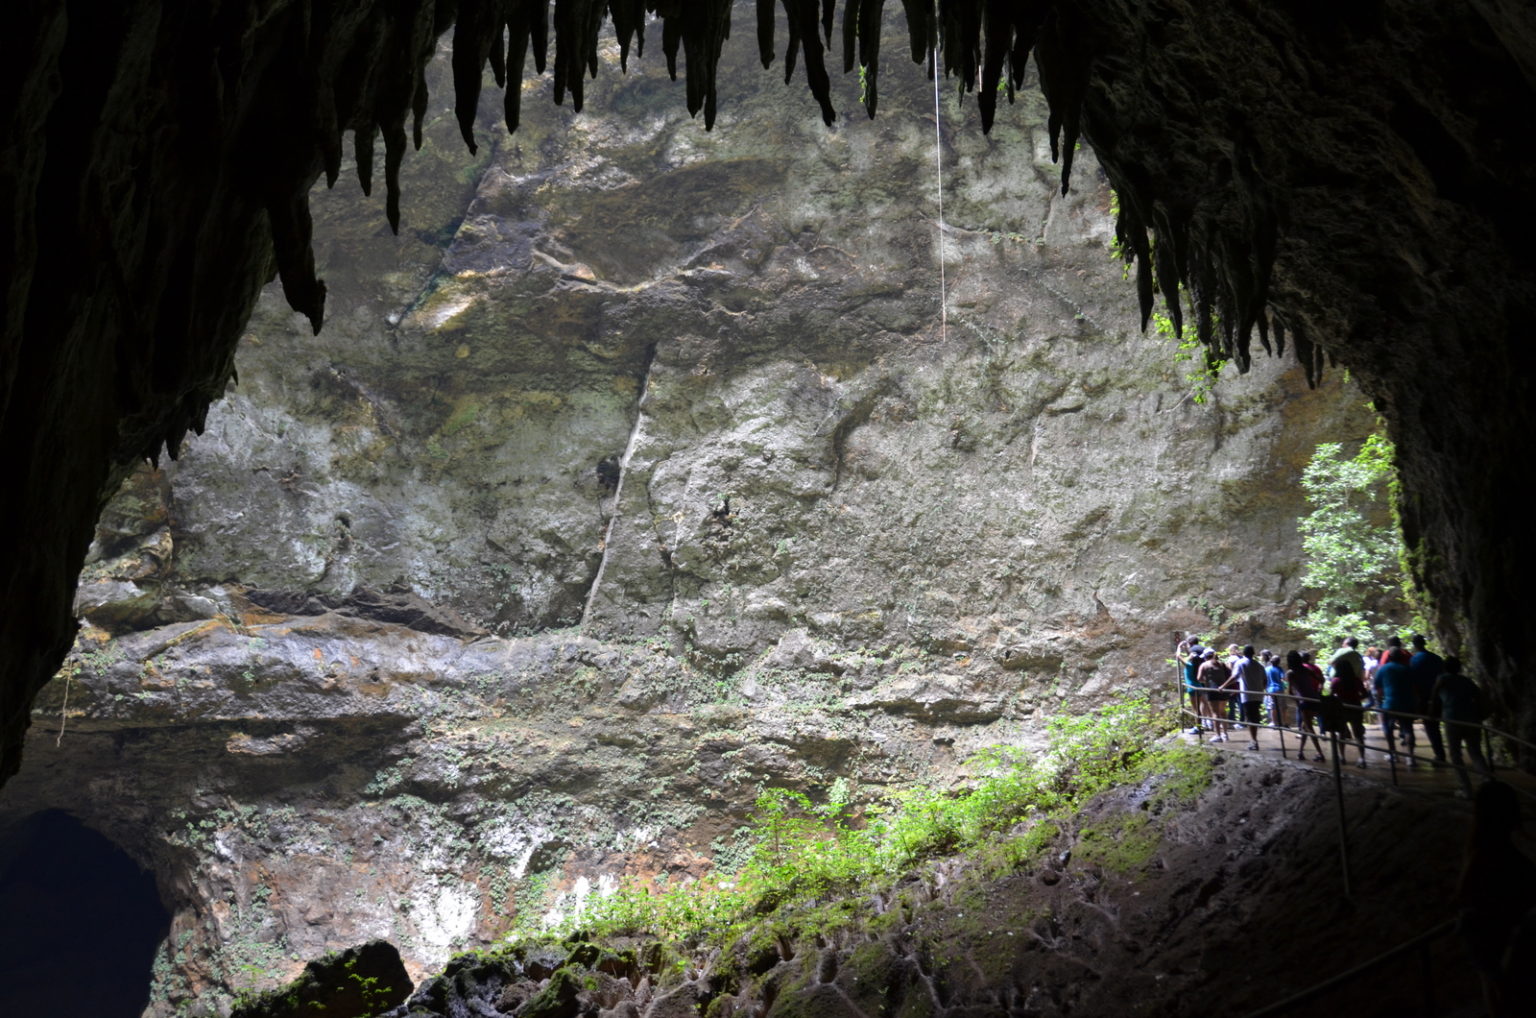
{"x":1167,"y":268}
{"x":629,"y":25}
{"x":527,"y":29}
{"x":394,"y":153}
{"x":922,"y":28}
{"x":804,"y":35}
{"x":765,"y":16}
{"x":984,"y":44}
{"x":291,"y":233}
{"x":1308,"y":354}
{"x":329,"y":134}
{"x":419,"y":106}
{"x":477,"y":23}
{"x":362,"y":152}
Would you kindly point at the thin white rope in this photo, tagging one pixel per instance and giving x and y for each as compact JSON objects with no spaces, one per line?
{"x":938,"y":162}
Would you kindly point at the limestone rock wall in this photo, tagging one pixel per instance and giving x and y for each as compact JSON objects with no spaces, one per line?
{"x":641,"y":470}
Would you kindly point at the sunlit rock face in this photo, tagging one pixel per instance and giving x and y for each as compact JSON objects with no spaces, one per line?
{"x":838,"y":533}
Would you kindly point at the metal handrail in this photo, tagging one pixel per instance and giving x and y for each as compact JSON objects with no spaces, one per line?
{"x":1507,"y":737}
{"x":1485,"y":726}
{"x":1295,"y":1000}
{"x":1392,"y":751}
{"x":1419,"y":942}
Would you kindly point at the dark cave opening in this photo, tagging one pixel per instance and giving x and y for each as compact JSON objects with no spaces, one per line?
{"x":79,"y":922}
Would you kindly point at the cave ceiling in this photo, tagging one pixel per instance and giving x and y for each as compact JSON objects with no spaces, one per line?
{"x":1335,"y":182}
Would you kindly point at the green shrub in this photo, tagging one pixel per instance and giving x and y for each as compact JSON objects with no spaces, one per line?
{"x":807,"y":861}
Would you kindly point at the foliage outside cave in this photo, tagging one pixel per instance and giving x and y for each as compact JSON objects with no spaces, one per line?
{"x":1353,"y":547}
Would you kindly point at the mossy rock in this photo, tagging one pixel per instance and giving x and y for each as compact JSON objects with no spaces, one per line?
{"x":356,"y":983}
{"x":557,"y":1000}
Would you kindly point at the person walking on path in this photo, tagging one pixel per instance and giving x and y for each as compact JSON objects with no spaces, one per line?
{"x":1248,"y":675}
{"x":1349,"y":691}
{"x":1394,"y":688}
{"x":1348,"y":651}
{"x":1275,"y":675}
{"x":1215,"y":680}
{"x":1426,"y":667}
{"x":1463,"y":708}
{"x":1304,"y":685}
{"x":1189,"y":654}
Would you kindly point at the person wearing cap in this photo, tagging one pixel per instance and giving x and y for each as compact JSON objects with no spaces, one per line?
{"x":1216,"y":681}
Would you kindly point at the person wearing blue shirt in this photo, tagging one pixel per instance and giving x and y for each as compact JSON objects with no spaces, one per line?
{"x":1394,"y":685}
{"x":1276,"y":684}
{"x":1190,"y":653}
{"x":1426,"y":666}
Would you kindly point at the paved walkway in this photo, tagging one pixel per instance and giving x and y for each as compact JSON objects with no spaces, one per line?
{"x":1426,"y":774}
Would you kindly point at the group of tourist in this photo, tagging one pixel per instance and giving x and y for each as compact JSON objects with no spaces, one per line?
{"x":1410,"y":689}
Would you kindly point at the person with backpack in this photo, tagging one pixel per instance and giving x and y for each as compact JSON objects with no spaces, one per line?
{"x":1348,"y":687}
{"x":1394,"y":690}
{"x":1216,"y":681}
{"x":1306,"y":685}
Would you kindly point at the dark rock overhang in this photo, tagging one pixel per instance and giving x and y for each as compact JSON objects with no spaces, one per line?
{"x":1357,"y":178}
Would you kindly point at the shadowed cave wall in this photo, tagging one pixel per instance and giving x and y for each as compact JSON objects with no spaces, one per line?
{"x":1351,"y":182}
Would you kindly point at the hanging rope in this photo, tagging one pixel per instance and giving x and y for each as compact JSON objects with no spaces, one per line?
{"x":938,"y":163}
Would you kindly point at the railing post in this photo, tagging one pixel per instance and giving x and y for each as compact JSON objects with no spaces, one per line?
{"x":1386,"y":717}
{"x":1338,"y":793}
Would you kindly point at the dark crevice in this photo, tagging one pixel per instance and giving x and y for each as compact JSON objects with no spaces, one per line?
{"x":79,"y":922}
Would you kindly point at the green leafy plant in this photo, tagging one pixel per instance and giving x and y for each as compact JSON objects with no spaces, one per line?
{"x":1352,"y":544}
{"x":810,"y":864}
{"x":1201,"y":368}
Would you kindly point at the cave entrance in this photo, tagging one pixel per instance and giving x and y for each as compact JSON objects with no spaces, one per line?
{"x":79,"y":922}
